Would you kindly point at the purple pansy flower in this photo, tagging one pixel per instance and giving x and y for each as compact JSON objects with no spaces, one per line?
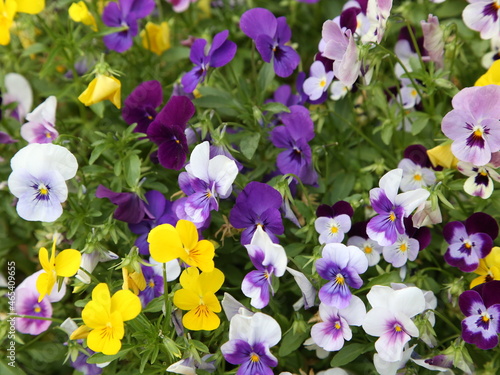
{"x":392,"y":208}
{"x":483,"y":16}
{"x":333,"y":222}
{"x":162,"y":213}
{"x":124,"y":13}
{"x":221,"y":52}
{"x":257,"y":205}
{"x":469,"y":241}
{"x":481,"y":306}
{"x":80,"y":364}
{"x":270,"y":35}
{"x":341,"y":265}
{"x":40,"y":127}
{"x":140,"y":106}
{"x":298,"y":129}
{"x":250,"y":338}
{"x":131,"y":209}
{"x":270,"y":260}
{"x":154,"y":285}
{"x":167,"y":131}
{"x":473,"y":124}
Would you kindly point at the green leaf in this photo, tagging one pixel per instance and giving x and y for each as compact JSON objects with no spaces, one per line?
{"x":155,"y":305}
{"x":102,"y":358}
{"x":98,"y":109}
{"x":384,"y":279}
{"x":200,"y":346}
{"x":266,"y":76}
{"x":176,"y":53}
{"x":275,"y":107}
{"x":419,"y":121}
{"x":249,"y":144}
{"x":291,"y":342}
{"x":34,"y":49}
{"x":349,"y":353}
{"x":132,"y":170}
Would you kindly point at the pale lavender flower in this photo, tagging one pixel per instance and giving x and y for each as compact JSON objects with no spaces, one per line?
{"x":40,"y":127}
{"x":18,"y":90}
{"x":318,"y":82}
{"x":332,"y":229}
{"x":404,"y":249}
{"x":433,"y":40}
{"x":415,"y":176}
{"x":371,"y":249}
{"x":483,"y":16}
{"x":479,"y":183}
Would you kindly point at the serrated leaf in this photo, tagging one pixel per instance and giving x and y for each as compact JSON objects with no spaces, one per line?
{"x":249,"y":144}
{"x":349,"y":353}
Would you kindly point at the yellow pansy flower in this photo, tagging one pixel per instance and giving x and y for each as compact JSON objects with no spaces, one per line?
{"x":167,"y":243}
{"x":491,"y":77}
{"x":489,"y":268}
{"x":441,"y":155}
{"x":156,"y":38}
{"x":133,"y":280}
{"x":79,"y":12}
{"x":65,"y":264}
{"x":198,"y":296}
{"x":104,"y":316}
{"x":8,"y":9}
{"x":101,"y":88}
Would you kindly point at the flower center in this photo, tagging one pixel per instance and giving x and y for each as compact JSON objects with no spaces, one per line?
{"x":48,"y":135}
{"x":478,"y":132}
{"x":403,"y":247}
{"x":334,"y":229}
{"x":37,"y":308}
{"x":42,"y":189}
{"x":413,"y":93}
{"x":368,"y":249}
{"x":340,"y":279}
{"x":467,"y":244}
{"x":322,"y":83}
{"x":254,"y":357}
{"x":417,"y":177}
{"x":392,"y":216}
{"x":397,"y":327}
{"x":337,"y":325}
{"x":151,"y":284}
{"x":486,"y":317}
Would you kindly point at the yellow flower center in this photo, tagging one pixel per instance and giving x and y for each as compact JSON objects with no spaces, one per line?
{"x":322,"y":83}
{"x":254,"y":357}
{"x":467,"y":244}
{"x":413,"y":93}
{"x":151,"y":284}
{"x":334,"y":229}
{"x":392,"y":216}
{"x":37,"y":309}
{"x":201,"y":311}
{"x":417,"y":177}
{"x":42,"y":189}
{"x":48,"y":135}
{"x":340,"y":279}
{"x":403,"y":247}
{"x":368,"y":249}
{"x":337,"y":325}
{"x":397,"y":327}
{"x":478,"y":132}
{"x":150,"y":117}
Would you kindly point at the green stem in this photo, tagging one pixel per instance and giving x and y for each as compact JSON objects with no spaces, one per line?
{"x":447,"y":321}
{"x":55,"y":320}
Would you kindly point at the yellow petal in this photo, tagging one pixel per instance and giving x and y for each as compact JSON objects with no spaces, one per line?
{"x":68,"y":262}
{"x":202,"y":256}
{"x":201,"y":318}
{"x":190,"y":280}
{"x":165,"y":243}
{"x":102,"y":88}
{"x":101,"y":295}
{"x":43,"y":257}
{"x":104,"y":340}
{"x":188,"y":233}
{"x":44,"y":284}
{"x":211,"y":282}
{"x":211,"y":301}
{"x":442,"y":155}
{"x":30,"y":6}
{"x":477,"y":281}
{"x":482,"y":269}
{"x":80,"y":333}
{"x":7,"y":12}
{"x":156,"y":38}
{"x":139,"y":280}
{"x":491,"y":77}
{"x":186,"y":299}
{"x":95,"y":315}
{"x":126,"y":303}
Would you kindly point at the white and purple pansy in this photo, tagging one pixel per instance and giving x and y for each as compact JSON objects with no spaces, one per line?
{"x":481,"y":306}
{"x":40,"y":127}
{"x":480,"y":181}
{"x":483,"y":16}
{"x":341,"y":265}
{"x":333,"y":222}
{"x":469,"y":241}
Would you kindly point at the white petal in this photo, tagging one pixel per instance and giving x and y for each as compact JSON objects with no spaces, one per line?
{"x":409,"y":301}
{"x":478,"y":190}
{"x":274,"y":254}
{"x":390,"y":183}
{"x":45,"y":112}
{"x":19,"y":88}
{"x":223,"y":172}
{"x":376,"y":321}
{"x":198,"y":161}
{"x":355,"y":313}
{"x":411,"y":200}
{"x":308,"y":290}
{"x":379,"y":296}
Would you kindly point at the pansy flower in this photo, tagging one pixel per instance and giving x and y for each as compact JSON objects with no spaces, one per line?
{"x":270,"y":35}
{"x":360,"y":239}
{"x":131,"y":209}
{"x":156,"y":38}
{"x":18,"y":90}
{"x":469,"y":241}
{"x":140,"y":106}
{"x":488,"y":269}
{"x":40,"y":127}
{"x":483,"y":16}
{"x":333,"y":222}
{"x":318,"y":82}
{"x":102,"y":87}
{"x":154,"y":285}
{"x":480,"y":179}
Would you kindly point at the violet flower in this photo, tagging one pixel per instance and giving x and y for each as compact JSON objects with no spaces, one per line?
{"x":360,"y":239}
{"x":220,"y":53}
{"x":131,"y":209}
{"x":270,"y":35}
{"x":473,"y":124}
{"x":333,"y":222}
{"x":154,"y":285}
{"x":140,"y":106}
{"x":257,"y":205}
{"x":27,"y":304}
{"x":318,"y":82}
{"x":483,"y":16}
{"x":40,"y":127}
{"x":124,"y":13}
{"x":167,"y":131}
{"x":469,"y":241}
{"x":481,"y":306}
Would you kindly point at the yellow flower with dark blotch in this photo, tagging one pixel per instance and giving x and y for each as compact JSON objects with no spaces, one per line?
{"x":79,"y":12}
{"x":488,"y":269}
{"x":198,"y":296}
{"x":101,"y":88}
{"x":103,"y":317}
{"x":442,"y":156}
{"x":491,"y":77}
{"x":167,"y":243}
{"x":156,"y":38}
{"x":65,"y":264}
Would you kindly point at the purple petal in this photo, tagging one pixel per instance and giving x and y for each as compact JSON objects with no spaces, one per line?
{"x":265,"y":45}
{"x":480,"y":222}
{"x":256,"y":286}
{"x":454,"y":231}
{"x":140,"y":105}
{"x":335,"y":294}
{"x":286,"y":59}
{"x":177,"y":112}
{"x":222,"y":55}
{"x":197,"y":53}
{"x":299,"y":123}
{"x":348,"y":19}
{"x":192,"y":78}
{"x":139,"y":8}
{"x":283,"y":31}
{"x":418,"y":155}
{"x":258,"y":21}
{"x":111,"y":16}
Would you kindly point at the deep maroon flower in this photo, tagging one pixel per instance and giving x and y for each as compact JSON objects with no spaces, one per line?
{"x":270,"y":35}
{"x":140,"y":105}
{"x":257,"y":205}
{"x":131,"y":209}
{"x":167,"y":131}
{"x":221,"y":52}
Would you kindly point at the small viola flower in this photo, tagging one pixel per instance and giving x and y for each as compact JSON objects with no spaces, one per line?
{"x":469,"y":241}
{"x":334,"y":329}
{"x":404,"y":249}
{"x":27,"y":303}
{"x":124,"y":13}
{"x":433,"y":40}
{"x":482,"y":16}
{"x":104,"y":316}
{"x":473,"y":124}
{"x":270,"y":35}
{"x":270,"y":260}
{"x":131,"y":209}
{"x":482,"y":310}
{"x":167,"y":131}
{"x":79,"y":12}
{"x":220,"y":53}
{"x":154,"y":285}
{"x":338,"y":90}
{"x":167,"y":243}
{"x":18,"y":89}
{"x":180,"y":6}
{"x":333,"y":222}
{"x":38,"y":179}
{"x":257,"y":205}
{"x":479,"y":183}
{"x":488,"y":269}
{"x":250,"y":338}
{"x":102,"y":87}
{"x":40,"y":127}
{"x":198,"y":296}
{"x":341,"y":265}
{"x":390,"y":319}
{"x":156,"y":38}
{"x":318,"y":82}
{"x":392,"y":208}
{"x":140,"y":106}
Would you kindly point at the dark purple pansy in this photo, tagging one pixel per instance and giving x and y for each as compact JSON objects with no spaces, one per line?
{"x":339,"y":208}
{"x":131,"y":209}
{"x":422,"y":234}
{"x":167,"y":131}
{"x":124,"y":13}
{"x":258,"y":204}
{"x":162,"y":212}
{"x":270,"y":35}
{"x":481,"y":306}
{"x":418,"y":155}
{"x":140,"y":105}
{"x":469,"y":241}
{"x":221,"y":52}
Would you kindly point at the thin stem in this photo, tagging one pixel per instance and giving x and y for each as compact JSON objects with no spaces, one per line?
{"x":55,"y":320}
